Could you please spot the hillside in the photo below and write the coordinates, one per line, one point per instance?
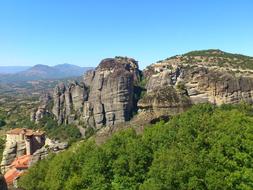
(213, 57)
(222, 59)
(174, 84)
(117, 90)
(153, 103)
(204, 148)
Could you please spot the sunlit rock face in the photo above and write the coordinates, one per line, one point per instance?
(68, 101)
(43, 108)
(111, 91)
(107, 95)
(104, 98)
(174, 84)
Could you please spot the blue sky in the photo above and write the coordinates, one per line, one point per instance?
(83, 32)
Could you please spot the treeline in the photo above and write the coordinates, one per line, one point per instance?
(206, 147)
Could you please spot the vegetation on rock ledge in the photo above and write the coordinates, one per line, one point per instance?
(214, 57)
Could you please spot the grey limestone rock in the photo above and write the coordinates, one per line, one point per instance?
(50, 147)
(111, 92)
(104, 98)
(68, 101)
(43, 108)
(187, 84)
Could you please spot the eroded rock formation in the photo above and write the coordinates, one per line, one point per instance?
(178, 82)
(111, 92)
(43, 109)
(51, 146)
(68, 101)
(105, 97)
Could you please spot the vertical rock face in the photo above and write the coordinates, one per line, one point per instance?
(68, 101)
(186, 80)
(105, 98)
(218, 87)
(111, 92)
(164, 94)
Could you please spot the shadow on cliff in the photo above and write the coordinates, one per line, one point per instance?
(138, 94)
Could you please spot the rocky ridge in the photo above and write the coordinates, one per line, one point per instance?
(107, 96)
(197, 77)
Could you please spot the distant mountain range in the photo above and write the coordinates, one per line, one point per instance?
(40, 72)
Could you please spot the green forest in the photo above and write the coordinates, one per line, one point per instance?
(206, 147)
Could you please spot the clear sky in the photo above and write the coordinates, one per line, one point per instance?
(83, 32)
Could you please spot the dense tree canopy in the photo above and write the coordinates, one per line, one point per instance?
(64, 132)
(206, 147)
(2, 122)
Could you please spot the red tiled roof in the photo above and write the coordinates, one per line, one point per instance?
(27, 132)
(21, 162)
(11, 175)
(17, 165)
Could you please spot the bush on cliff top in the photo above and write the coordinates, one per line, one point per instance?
(204, 148)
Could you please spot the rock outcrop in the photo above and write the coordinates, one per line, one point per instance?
(105, 97)
(68, 101)
(43, 109)
(111, 92)
(50, 147)
(218, 87)
(11, 151)
(108, 95)
(178, 82)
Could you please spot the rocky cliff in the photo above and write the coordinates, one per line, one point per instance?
(43, 108)
(109, 94)
(12, 150)
(198, 77)
(68, 101)
(105, 97)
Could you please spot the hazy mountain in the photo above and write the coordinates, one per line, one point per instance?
(71, 70)
(39, 72)
(12, 69)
